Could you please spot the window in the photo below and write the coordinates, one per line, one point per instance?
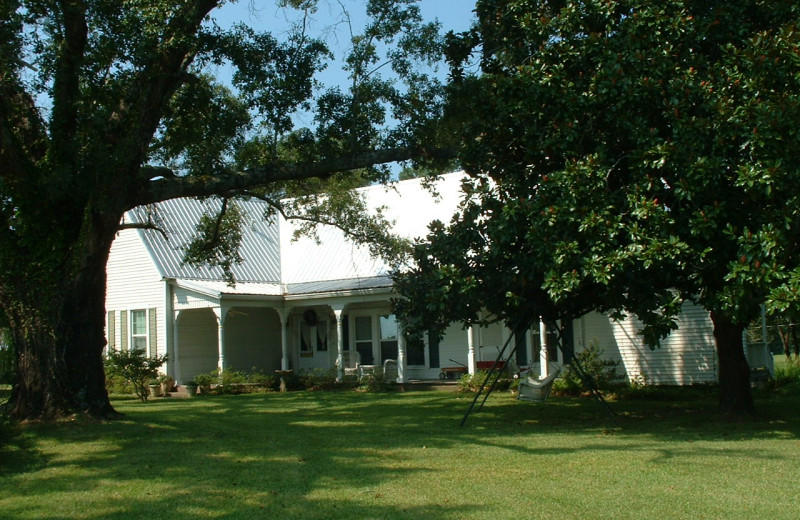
(363, 339)
(415, 350)
(388, 326)
(139, 330)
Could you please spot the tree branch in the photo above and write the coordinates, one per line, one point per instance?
(202, 186)
(66, 84)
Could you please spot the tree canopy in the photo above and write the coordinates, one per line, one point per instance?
(112, 104)
(628, 156)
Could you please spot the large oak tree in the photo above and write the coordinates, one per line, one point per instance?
(628, 155)
(110, 104)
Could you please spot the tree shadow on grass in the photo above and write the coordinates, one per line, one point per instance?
(318, 455)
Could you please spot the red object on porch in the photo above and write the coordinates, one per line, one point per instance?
(487, 365)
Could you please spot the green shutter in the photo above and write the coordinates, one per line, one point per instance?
(123, 329)
(153, 332)
(111, 331)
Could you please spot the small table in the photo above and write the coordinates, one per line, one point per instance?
(282, 374)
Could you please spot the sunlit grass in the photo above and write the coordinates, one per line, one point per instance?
(404, 456)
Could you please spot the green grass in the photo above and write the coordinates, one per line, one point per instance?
(322, 455)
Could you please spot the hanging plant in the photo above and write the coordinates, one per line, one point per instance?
(310, 317)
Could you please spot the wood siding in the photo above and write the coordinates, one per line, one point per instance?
(687, 356)
(134, 283)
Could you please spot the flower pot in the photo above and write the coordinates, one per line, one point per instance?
(155, 390)
(191, 390)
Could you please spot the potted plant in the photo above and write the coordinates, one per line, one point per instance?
(191, 388)
(167, 383)
(155, 387)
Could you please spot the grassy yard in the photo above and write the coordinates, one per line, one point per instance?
(322, 455)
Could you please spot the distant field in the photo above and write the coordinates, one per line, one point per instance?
(322, 455)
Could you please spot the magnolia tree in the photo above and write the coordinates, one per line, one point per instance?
(107, 105)
(628, 156)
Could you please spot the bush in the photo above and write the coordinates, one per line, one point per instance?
(318, 379)
(788, 372)
(205, 381)
(473, 382)
(375, 382)
(231, 381)
(134, 367)
(602, 371)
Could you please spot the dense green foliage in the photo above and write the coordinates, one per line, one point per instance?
(628, 156)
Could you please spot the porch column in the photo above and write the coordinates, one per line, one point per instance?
(401, 353)
(338, 312)
(471, 365)
(221, 313)
(283, 315)
(176, 360)
(543, 354)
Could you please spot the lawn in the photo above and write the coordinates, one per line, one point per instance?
(322, 455)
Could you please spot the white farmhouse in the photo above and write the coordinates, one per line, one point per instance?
(305, 304)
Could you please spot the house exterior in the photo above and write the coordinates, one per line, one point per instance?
(302, 304)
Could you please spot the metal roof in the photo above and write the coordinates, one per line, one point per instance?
(178, 218)
(348, 284)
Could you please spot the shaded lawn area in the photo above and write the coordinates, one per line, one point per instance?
(321, 455)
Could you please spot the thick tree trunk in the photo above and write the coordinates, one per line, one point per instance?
(59, 338)
(735, 397)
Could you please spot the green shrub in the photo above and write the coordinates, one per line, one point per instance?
(318, 379)
(473, 382)
(788, 372)
(205, 381)
(231, 381)
(602, 371)
(7, 357)
(134, 367)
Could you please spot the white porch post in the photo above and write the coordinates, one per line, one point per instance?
(221, 313)
(471, 365)
(283, 315)
(401, 353)
(338, 311)
(543, 354)
(176, 360)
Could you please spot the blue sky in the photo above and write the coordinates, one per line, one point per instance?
(456, 15)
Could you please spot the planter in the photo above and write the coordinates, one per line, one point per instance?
(155, 390)
(191, 390)
(166, 388)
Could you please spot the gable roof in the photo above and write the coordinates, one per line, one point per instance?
(275, 263)
(178, 218)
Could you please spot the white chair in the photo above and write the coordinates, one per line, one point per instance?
(390, 370)
(351, 360)
(534, 389)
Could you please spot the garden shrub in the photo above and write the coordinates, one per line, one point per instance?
(318, 379)
(375, 382)
(602, 371)
(134, 367)
(473, 382)
(788, 372)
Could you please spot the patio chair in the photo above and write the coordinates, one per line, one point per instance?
(390, 370)
(351, 361)
(534, 389)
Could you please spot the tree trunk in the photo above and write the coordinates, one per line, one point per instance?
(735, 397)
(59, 334)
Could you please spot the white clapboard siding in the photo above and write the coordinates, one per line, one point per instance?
(687, 356)
(454, 346)
(134, 283)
